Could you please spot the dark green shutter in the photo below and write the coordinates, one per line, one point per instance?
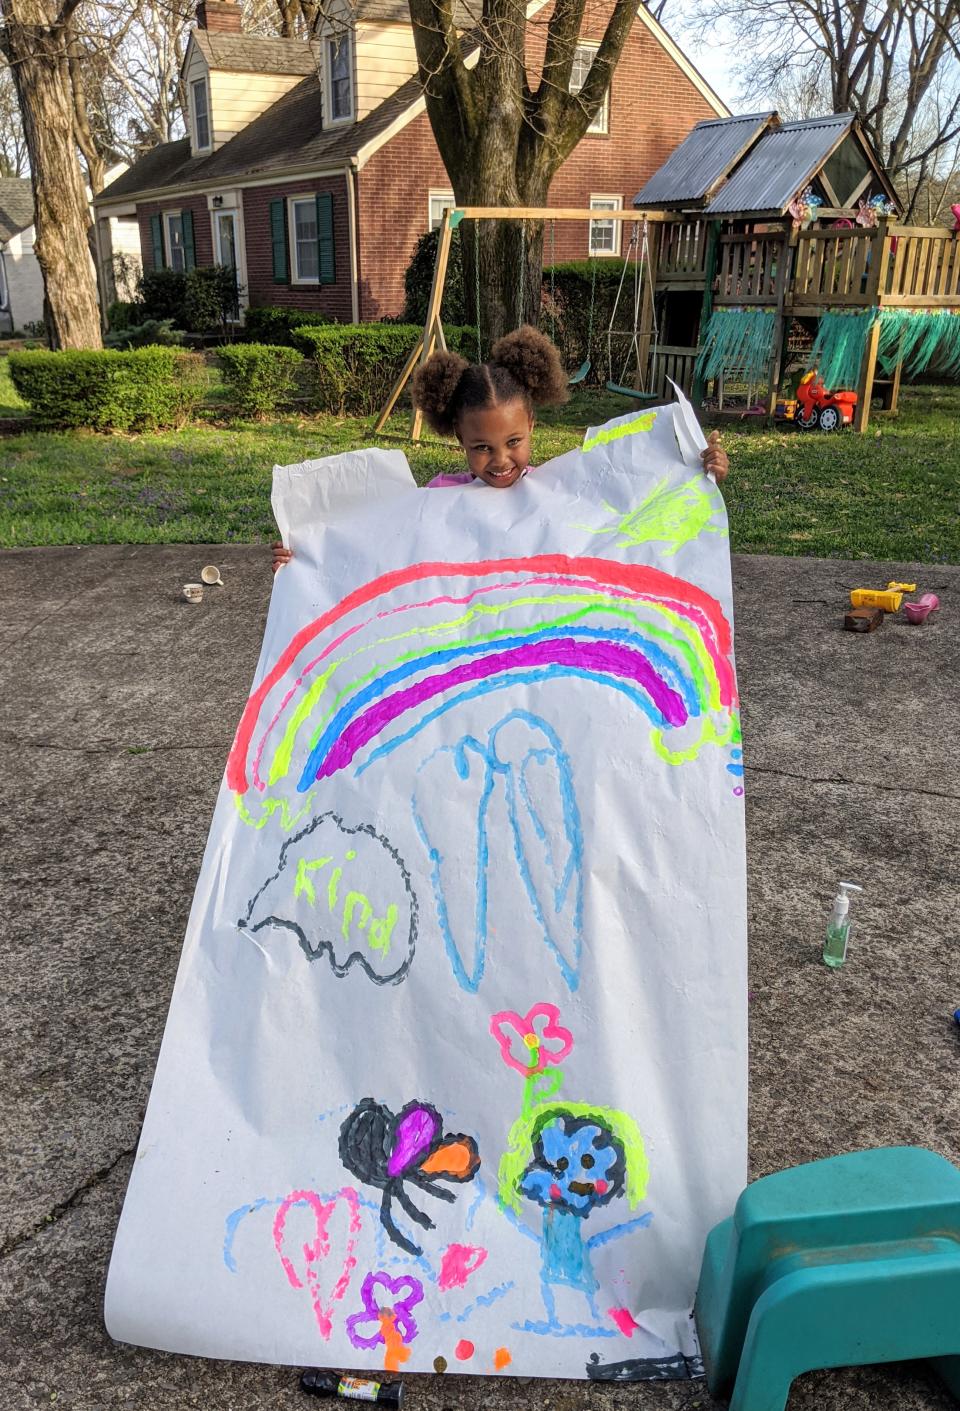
(189, 250)
(156, 236)
(325, 252)
(278, 234)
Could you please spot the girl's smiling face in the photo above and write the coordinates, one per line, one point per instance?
(497, 442)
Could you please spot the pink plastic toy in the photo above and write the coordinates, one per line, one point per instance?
(919, 611)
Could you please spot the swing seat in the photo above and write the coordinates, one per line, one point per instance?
(580, 373)
(631, 392)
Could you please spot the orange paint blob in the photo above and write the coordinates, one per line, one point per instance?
(395, 1353)
(502, 1358)
(464, 1350)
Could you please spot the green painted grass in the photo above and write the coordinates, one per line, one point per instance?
(894, 494)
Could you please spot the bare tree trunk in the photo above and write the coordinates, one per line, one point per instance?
(34, 43)
(502, 140)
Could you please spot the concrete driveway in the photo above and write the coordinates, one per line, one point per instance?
(118, 704)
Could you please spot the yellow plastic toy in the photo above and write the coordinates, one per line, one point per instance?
(885, 598)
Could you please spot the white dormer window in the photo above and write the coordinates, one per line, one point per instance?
(340, 78)
(201, 114)
(583, 57)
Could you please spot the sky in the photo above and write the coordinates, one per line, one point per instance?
(715, 59)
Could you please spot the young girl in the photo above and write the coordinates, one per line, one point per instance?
(489, 407)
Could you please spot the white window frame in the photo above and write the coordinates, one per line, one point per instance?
(218, 215)
(3, 285)
(332, 45)
(601, 202)
(168, 246)
(601, 123)
(194, 85)
(305, 198)
(443, 196)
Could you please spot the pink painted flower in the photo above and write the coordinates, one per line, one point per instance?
(528, 1042)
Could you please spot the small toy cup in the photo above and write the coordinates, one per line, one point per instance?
(211, 575)
(918, 612)
(193, 592)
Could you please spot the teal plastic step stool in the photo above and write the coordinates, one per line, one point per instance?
(838, 1263)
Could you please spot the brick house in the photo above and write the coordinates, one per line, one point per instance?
(311, 166)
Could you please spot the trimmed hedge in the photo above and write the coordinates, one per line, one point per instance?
(356, 364)
(106, 390)
(260, 376)
(273, 326)
(569, 321)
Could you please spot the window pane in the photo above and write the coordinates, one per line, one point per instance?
(438, 204)
(341, 102)
(202, 114)
(305, 236)
(176, 257)
(582, 59)
(227, 233)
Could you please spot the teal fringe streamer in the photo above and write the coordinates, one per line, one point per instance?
(837, 351)
(923, 341)
(738, 340)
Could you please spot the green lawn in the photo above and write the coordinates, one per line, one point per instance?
(893, 494)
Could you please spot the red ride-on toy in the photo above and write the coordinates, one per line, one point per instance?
(818, 409)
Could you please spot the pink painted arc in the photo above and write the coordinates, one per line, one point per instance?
(637, 578)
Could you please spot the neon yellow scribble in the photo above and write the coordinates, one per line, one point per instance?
(526, 1129)
(709, 735)
(288, 818)
(302, 886)
(606, 434)
(669, 516)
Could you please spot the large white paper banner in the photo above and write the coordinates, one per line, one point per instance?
(454, 1075)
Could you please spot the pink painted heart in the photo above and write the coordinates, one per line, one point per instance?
(316, 1251)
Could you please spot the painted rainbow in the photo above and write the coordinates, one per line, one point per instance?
(383, 663)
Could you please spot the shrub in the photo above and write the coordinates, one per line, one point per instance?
(109, 390)
(568, 321)
(122, 313)
(211, 298)
(143, 335)
(418, 280)
(275, 325)
(162, 294)
(259, 376)
(357, 364)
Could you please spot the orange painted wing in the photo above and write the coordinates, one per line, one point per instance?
(456, 1158)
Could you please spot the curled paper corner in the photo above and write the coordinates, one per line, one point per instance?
(689, 432)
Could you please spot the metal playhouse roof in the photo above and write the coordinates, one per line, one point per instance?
(780, 165)
(696, 168)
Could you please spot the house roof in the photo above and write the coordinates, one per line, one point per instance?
(255, 53)
(695, 169)
(16, 205)
(780, 165)
(290, 134)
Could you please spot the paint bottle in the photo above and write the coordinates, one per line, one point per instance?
(838, 927)
(318, 1383)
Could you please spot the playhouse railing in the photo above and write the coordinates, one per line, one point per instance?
(749, 266)
(683, 246)
(676, 363)
(924, 268)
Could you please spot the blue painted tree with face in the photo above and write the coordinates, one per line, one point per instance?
(570, 1159)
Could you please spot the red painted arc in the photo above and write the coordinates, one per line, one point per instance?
(637, 577)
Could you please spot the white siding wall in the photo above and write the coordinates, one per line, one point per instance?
(237, 98)
(24, 280)
(386, 57)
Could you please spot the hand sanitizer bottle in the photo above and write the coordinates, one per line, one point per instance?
(838, 928)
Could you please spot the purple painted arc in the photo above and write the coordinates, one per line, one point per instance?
(603, 657)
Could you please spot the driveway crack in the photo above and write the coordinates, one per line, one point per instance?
(851, 783)
(63, 1207)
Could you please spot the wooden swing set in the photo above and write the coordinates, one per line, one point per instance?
(641, 338)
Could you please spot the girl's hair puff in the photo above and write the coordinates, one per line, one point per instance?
(524, 366)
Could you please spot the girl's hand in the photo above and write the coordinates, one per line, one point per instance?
(280, 556)
(716, 462)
